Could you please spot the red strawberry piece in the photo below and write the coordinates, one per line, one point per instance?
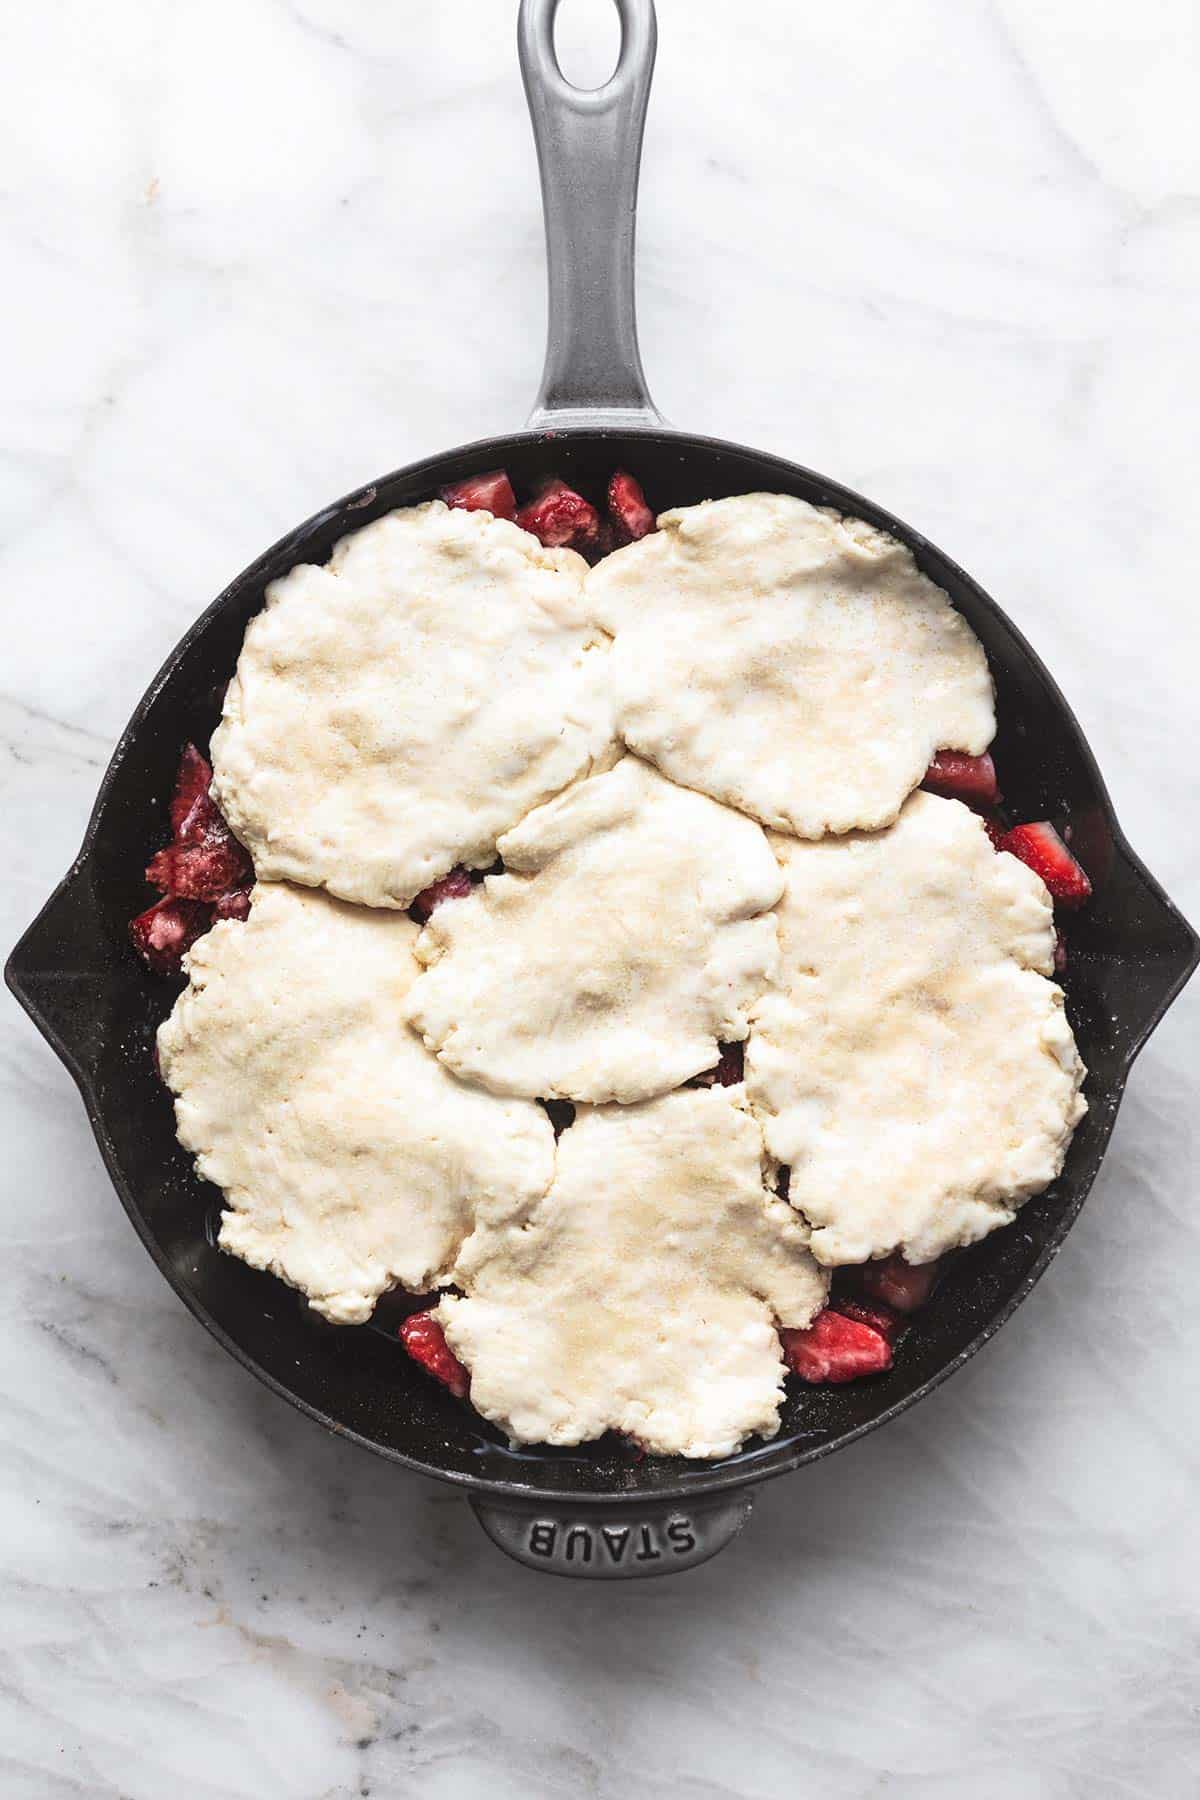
(959, 777)
(484, 493)
(235, 905)
(425, 1342)
(204, 860)
(454, 886)
(729, 1070)
(996, 829)
(201, 871)
(1060, 954)
(192, 808)
(166, 930)
(899, 1284)
(880, 1318)
(1040, 846)
(835, 1348)
(631, 517)
(559, 516)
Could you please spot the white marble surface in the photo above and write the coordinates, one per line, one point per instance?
(257, 251)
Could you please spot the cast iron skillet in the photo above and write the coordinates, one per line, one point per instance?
(595, 1511)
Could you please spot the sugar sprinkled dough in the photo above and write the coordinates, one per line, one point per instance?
(351, 1161)
(643, 1294)
(396, 710)
(788, 661)
(627, 939)
(914, 1067)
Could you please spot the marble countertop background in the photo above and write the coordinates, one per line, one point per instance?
(258, 251)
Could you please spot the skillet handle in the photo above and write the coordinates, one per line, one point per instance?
(589, 146)
(598, 1543)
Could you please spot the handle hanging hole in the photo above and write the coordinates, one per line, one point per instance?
(587, 42)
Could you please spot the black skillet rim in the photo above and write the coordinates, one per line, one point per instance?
(724, 1478)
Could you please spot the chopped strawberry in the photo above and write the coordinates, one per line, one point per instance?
(631, 517)
(454, 886)
(204, 864)
(204, 860)
(192, 808)
(902, 1285)
(425, 1342)
(995, 828)
(559, 516)
(163, 933)
(880, 1318)
(836, 1348)
(1040, 846)
(484, 493)
(959, 777)
(201, 871)
(235, 905)
(1060, 954)
(729, 1070)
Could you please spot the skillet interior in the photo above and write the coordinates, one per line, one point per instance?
(1130, 952)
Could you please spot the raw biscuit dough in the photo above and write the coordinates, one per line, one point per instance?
(788, 661)
(396, 710)
(915, 1067)
(351, 1161)
(627, 938)
(643, 1293)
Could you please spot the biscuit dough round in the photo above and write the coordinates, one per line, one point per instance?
(643, 1293)
(914, 1067)
(351, 1161)
(626, 940)
(786, 660)
(396, 710)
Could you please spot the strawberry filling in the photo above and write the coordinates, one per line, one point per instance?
(1040, 846)
(204, 859)
(560, 517)
(200, 871)
(454, 886)
(235, 905)
(959, 777)
(729, 1070)
(192, 807)
(425, 1342)
(631, 517)
(836, 1348)
(1060, 953)
(165, 931)
(484, 493)
(203, 872)
(904, 1286)
(880, 1318)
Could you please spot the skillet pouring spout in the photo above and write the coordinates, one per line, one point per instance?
(62, 972)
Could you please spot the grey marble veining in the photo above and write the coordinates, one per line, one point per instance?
(258, 251)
